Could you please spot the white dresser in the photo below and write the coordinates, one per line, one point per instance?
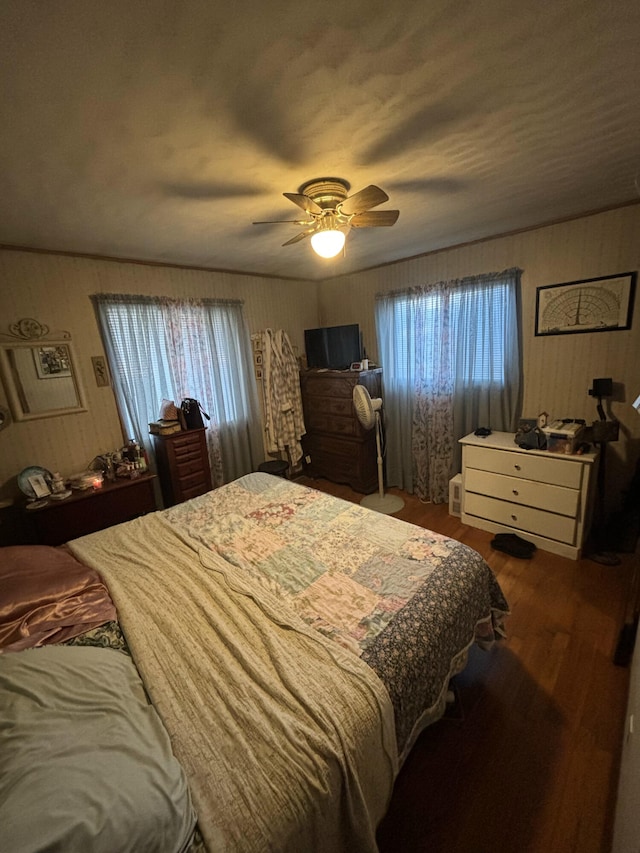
(547, 498)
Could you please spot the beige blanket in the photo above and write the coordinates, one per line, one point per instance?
(286, 738)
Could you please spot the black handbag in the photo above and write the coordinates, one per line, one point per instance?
(193, 412)
(530, 438)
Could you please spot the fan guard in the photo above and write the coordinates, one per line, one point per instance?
(365, 406)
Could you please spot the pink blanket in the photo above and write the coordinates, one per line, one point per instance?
(47, 596)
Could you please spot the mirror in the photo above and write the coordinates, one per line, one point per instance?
(40, 378)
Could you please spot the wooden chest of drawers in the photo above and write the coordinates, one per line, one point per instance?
(545, 497)
(336, 446)
(87, 511)
(183, 465)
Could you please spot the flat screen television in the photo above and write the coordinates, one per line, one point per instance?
(332, 347)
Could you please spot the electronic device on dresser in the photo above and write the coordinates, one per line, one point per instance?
(333, 347)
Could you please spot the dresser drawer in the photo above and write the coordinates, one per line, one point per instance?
(192, 465)
(348, 465)
(185, 441)
(192, 487)
(345, 448)
(186, 454)
(326, 385)
(520, 491)
(324, 422)
(335, 406)
(525, 518)
(559, 472)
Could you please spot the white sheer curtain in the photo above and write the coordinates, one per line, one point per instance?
(451, 363)
(166, 348)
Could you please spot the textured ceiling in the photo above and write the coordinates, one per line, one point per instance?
(161, 130)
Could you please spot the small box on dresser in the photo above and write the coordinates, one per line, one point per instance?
(544, 497)
(183, 466)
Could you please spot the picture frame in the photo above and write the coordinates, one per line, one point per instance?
(39, 485)
(602, 304)
(257, 359)
(258, 371)
(100, 370)
(52, 361)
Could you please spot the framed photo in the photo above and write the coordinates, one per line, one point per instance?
(257, 359)
(52, 362)
(602, 304)
(258, 371)
(39, 485)
(100, 370)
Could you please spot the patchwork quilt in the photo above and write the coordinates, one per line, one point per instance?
(406, 600)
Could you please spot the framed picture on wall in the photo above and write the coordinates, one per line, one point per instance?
(52, 362)
(602, 304)
(100, 370)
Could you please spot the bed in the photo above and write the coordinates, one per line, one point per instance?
(283, 649)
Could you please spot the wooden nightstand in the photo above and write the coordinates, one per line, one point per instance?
(183, 465)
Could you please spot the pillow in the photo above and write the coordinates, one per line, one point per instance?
(47, 596)
(86, 761)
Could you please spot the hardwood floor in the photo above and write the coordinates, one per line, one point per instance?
(527, 759)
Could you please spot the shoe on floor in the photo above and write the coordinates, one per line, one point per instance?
(516, 540)
(514, 549)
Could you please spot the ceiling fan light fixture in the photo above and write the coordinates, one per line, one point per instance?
(328, 243)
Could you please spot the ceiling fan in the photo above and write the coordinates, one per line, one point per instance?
(331, 213)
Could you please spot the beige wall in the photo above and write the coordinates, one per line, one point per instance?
(55, 290)
(558, 370)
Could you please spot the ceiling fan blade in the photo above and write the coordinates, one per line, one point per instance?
(304, 202)
(367, 198)
(299, 237)
(375, 218)
(279, 221)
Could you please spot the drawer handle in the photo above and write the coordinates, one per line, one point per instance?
(514, 517)
(517, 467)
(515, 492)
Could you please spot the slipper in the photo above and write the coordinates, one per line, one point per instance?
(514, 549)
(516, 540)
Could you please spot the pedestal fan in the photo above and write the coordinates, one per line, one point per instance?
(368, 412)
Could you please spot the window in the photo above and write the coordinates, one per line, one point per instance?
(476, 354)
(161, 348)
(450, 354)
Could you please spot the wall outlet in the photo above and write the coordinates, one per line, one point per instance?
(307, 459)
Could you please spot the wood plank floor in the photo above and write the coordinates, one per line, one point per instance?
(527, 759)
